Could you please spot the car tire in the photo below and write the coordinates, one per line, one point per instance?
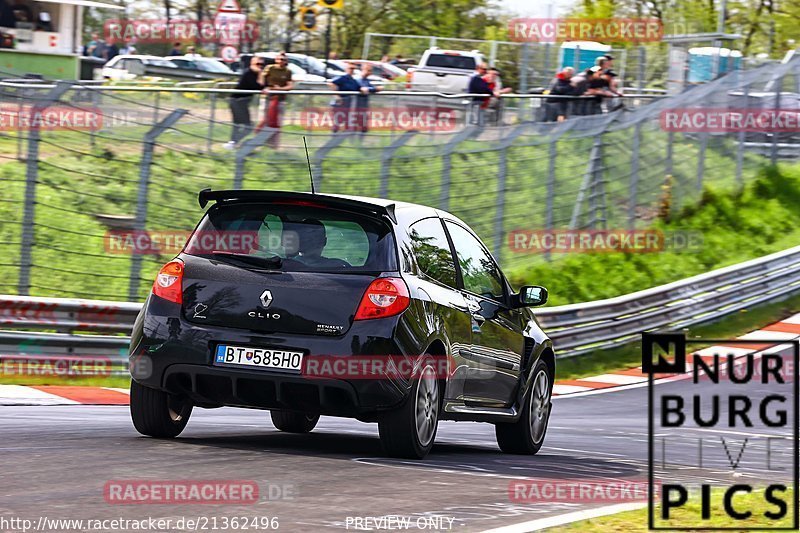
(157, 413)
(293, 421)
(410, 431)
(526, 435)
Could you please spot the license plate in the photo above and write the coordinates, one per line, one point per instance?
(269, 358)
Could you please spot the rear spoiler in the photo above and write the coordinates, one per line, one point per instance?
(348, 204)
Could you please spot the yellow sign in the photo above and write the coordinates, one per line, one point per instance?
(331, 4)
(308, 18)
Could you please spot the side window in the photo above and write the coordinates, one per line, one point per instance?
(480, 273)
(432, 251)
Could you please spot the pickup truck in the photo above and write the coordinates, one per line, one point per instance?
(444, 71)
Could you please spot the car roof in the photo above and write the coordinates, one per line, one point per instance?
(137, 56)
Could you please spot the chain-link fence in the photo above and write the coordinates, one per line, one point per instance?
(141, 163)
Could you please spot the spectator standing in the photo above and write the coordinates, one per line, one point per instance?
(191, 53)
(615, 102)
(99, 48)
(88, 49)
(580, 83)
(240, 103)
(557, 109)
(495, 103)
(128, 48)
(597, 87)
(362, 102)
(111, 51)
(342, 105)
(479, 86)
(276, 77)
(176, 50)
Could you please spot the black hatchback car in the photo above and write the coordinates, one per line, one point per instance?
(311, 304)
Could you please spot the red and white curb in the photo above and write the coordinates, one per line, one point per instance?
(67, 395)
(788, 329)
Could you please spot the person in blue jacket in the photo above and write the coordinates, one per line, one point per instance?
(343, 105)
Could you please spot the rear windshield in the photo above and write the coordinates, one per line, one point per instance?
(451, 61)
(294, 238)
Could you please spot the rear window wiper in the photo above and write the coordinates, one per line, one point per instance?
(274, 261)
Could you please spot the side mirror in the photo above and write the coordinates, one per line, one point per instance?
(532, 295)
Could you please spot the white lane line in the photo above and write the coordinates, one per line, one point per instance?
(22, 395)
(723, 351)
(794, 319)
(568, 389)
(616, 379)
(769, 335)
(568, 518)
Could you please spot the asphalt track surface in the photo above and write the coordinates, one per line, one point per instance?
(56, 461)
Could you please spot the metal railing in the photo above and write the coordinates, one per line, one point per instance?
(79, 328)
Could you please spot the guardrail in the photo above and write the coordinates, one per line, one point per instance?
(80, 328)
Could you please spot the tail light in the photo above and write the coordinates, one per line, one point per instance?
(409, 78)
(169, 282)
(384, 297)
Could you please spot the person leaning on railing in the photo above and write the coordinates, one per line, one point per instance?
(556, 109)
(275, 77)
(478, 85)
(240, 103)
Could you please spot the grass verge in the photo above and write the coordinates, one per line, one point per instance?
(689, 516)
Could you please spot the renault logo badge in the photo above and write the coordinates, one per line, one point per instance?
(266, 298)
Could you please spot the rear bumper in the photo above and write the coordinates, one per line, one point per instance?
(171, 354)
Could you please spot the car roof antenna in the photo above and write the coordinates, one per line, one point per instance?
(308, 159)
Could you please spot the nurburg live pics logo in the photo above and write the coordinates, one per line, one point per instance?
(742, 434)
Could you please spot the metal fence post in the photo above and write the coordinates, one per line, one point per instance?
(31, 175)
(633, 187)
(211, 121)
(668, 160)
(592, 181)
(247, 148)
(641, 73)
(386, 160)
(773, 153)
(502, 173)
(701, 160)
(741, 135)
(447, 164)
(322, 152)
(149, 144)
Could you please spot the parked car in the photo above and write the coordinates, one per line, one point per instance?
(444, 71)
(386, 71)
(341, 64)
(129, 67)
(342, 280)
(299, 74)
(208, 65)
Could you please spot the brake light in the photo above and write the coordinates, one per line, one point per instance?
(169, 282)
(409, 78)
(385, 297)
